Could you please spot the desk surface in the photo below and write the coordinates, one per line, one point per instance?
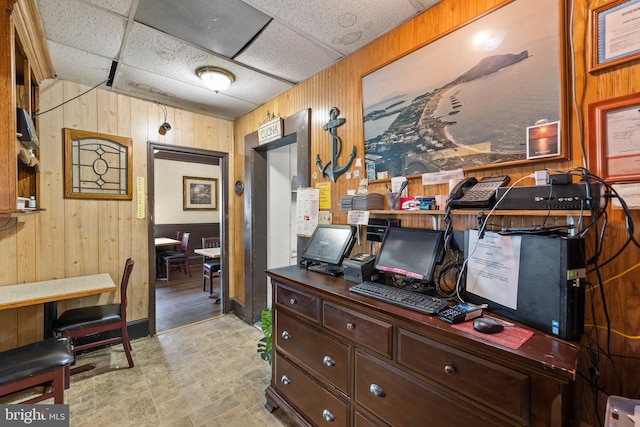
(208, 252)
(21, 295)
(165, 241)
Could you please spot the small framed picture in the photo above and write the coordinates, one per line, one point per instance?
(543, 140)
(199, 193)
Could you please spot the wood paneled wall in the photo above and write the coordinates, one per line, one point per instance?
(75, 237)
(340, 85)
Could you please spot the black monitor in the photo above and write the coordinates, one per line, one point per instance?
(411, 252)
(328, 246)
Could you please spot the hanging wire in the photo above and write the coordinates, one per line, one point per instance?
(69, 100)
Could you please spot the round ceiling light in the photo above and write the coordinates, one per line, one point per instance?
(215, 78)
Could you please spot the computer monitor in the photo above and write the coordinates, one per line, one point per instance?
(328, 246)
(411, 252)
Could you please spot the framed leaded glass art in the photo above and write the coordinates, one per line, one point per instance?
(97, 166)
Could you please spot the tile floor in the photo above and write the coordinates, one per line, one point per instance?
(205, 374)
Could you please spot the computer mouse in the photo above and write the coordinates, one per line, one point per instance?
(487, 325)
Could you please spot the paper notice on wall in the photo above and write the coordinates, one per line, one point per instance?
(630, 193)
(307, 207)
(325, 195)
(493, 267)
(442, 177)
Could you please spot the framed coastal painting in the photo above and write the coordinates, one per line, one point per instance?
(470, 98)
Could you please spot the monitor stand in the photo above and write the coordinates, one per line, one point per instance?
(332, 270)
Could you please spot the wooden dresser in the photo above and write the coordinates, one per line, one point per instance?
(345, 360)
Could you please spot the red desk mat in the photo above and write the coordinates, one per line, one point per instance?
(511, 336)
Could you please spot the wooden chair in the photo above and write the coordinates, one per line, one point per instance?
(99, 319)
(166, 250)
(210, 266)
(41, 363)
(180, 259)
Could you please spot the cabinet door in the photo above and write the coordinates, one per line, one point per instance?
(403, 401)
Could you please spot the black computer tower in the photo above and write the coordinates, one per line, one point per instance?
(550, 292)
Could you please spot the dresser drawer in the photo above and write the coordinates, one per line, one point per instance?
(318, 405)
(320, 353)
(303, 304)
(403, 401)
(359, 327)
(501, 388)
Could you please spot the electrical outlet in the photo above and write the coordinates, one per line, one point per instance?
(325, 217)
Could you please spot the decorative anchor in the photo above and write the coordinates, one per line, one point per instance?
(334, 171)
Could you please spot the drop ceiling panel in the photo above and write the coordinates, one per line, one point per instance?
(341, 25)
(161, 89)
(82, 26)
(94, 69)
(221, 26)
(285, 53)
(121, 7)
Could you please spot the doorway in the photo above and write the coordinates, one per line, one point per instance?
(183, 288)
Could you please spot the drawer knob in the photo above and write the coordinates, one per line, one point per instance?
(351, 326)
(292, 301)
(286, 335)
(285, 380)
(376, 390)
(449, 370)
(328, 416)
(329, 361)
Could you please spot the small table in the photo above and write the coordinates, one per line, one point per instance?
(49, 292)
(211, 253)
(166, 241)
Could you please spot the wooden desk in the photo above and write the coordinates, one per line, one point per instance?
(165, 241)
(49, 292)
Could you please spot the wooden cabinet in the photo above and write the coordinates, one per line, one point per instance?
(343, 359)
(24, 62)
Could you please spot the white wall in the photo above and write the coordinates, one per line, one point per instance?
(168, 192)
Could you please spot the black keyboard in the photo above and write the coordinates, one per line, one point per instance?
(400, 297)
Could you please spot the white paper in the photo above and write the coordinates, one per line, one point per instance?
(307, 208)
(630, 193)
(442, 177)
(396, 183)
(358, 217)
(493, 267)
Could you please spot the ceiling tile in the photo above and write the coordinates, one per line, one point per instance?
(287, 54)
(121, 7)
(83, 26)
(221, 26)
(341, 25)
(93, 69)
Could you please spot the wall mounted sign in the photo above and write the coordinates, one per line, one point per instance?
(97, 166)
(270, 131)
(331, 168)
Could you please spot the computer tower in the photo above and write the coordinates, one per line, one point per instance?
(550, 288)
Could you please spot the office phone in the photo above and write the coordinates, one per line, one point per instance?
(471, 193)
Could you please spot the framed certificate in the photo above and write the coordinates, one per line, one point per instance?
(615, 30)
(614, 138)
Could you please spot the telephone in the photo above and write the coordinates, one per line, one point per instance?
(471, 193)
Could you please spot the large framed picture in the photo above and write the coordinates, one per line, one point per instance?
(614, 138)
(199, 193)
(614, 33)
(467, 99)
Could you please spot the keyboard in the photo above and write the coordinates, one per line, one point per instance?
(400, 297)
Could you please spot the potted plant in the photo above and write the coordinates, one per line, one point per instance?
(264, 346)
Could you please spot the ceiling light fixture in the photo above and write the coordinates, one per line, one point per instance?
(215, 78)
(164, 127)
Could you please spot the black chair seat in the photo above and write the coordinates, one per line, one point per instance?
(87, 317)
(174, 256)
(212, 265)
(32, 359)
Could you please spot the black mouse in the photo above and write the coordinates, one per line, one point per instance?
(487, 325)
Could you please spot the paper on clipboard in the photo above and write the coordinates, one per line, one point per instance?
(307, 208)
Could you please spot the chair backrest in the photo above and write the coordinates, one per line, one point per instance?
(210, 242)
(124, 284)
(185, 241)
